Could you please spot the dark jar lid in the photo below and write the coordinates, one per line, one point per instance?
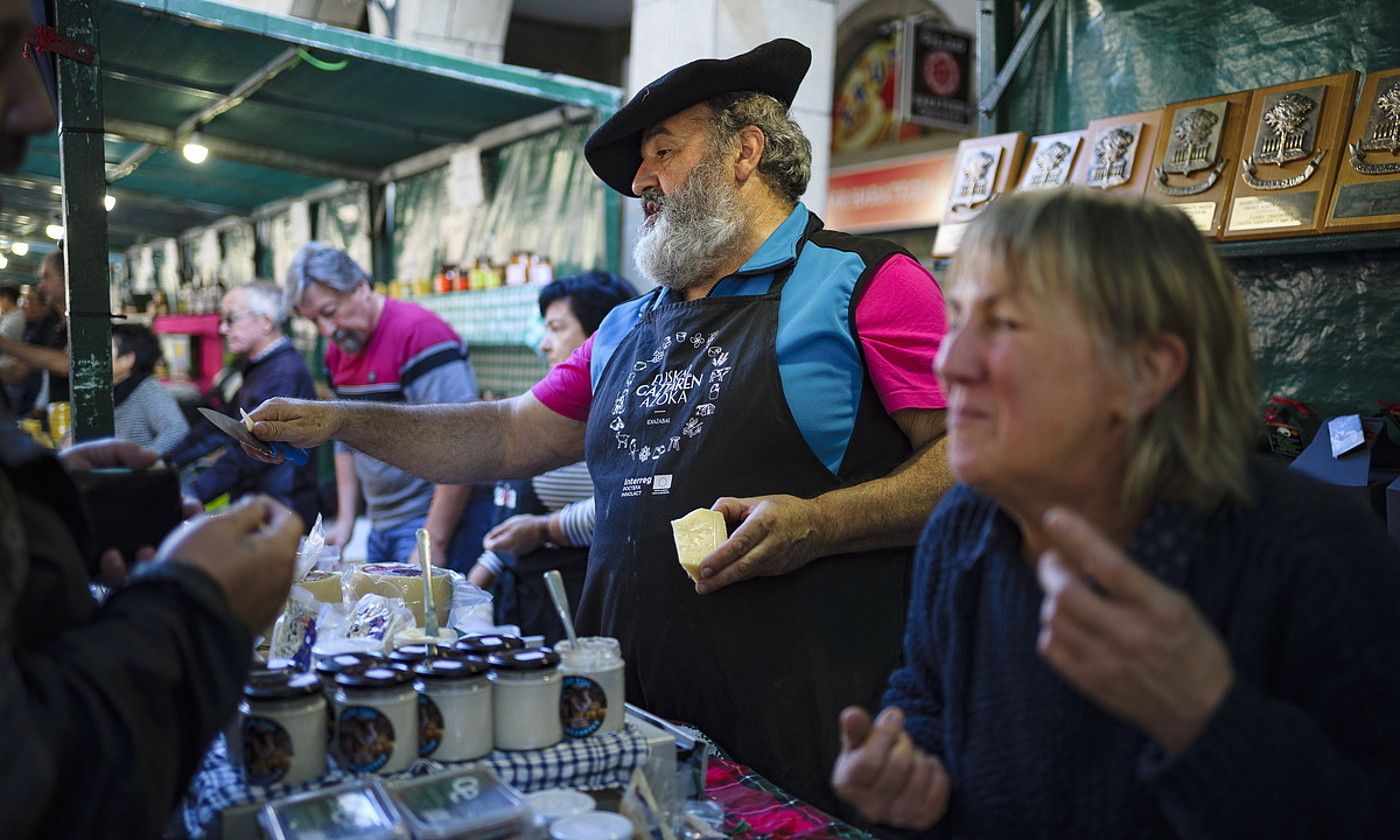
(492, 643)
(458, 667)
(280, 684)
(332, 665)
(409, 654)
(533, 659)
(384, 675)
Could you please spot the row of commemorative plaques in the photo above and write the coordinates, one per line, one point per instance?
(1286, 160)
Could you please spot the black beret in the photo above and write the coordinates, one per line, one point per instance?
(615, 149)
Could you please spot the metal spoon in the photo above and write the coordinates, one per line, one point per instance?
(555, 583)
(430, 628)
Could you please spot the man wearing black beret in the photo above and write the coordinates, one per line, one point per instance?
(780, 374)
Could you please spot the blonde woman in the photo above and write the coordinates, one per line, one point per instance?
(1121, 627)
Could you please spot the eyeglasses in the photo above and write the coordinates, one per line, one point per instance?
(234, 317)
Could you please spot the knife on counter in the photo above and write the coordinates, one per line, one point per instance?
(240, 433)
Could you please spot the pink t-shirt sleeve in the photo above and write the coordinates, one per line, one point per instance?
(901, 321)
(568, 388)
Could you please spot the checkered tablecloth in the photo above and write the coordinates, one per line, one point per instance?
(597, 762)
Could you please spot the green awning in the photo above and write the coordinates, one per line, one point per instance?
(163, 62)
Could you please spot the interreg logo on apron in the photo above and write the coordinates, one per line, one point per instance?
(660, 408)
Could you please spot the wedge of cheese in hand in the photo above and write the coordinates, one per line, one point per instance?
(697, 534)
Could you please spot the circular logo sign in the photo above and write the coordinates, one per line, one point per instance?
(941, 73)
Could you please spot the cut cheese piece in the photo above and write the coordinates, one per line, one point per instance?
(323, 586)
(697, 534)
(405, 581)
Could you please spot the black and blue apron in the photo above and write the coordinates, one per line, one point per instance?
(521, 596)
(689, 408)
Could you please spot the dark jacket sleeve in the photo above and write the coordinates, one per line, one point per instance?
(1307, 741)
(108, 713)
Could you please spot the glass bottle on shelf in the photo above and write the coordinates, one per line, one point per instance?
(517, 270)
(541, 270)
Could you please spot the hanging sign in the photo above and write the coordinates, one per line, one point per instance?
(936, 82)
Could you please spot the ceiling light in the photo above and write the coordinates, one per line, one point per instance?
(53, 230)
(4, 263)
(194, 150)
(109, 201)
(20, 248)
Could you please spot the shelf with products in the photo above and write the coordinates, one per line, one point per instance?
(1325, 243)
(502, 327)
(193, 348)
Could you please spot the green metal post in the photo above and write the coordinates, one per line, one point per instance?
(83, 168)
(995, 29)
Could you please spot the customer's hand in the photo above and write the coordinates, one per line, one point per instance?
(776, 535)
(248, 550)
(108, 452)
(302, 423)
(518, 535)
(885, 776)
(1126, 640)
(339, 534)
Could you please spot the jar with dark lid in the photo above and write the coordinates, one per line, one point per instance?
(376, 718)
(281, 733)
(454, 708)
(413, 654)
(525, 693)
(485, 645)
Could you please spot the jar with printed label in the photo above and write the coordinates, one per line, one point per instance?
(376, 719)
(281, 734)
(592, 701)
(525, 694)
(455, 720)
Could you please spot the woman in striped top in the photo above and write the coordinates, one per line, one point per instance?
(546, 522)
(143, 411)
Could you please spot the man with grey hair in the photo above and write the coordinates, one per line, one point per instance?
(266, 366)
(389, 352)
(781, 375)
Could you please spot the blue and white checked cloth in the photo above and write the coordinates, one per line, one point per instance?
(596, 762)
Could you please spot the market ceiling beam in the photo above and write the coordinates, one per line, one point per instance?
(488, 139)
(156, 137)
(124, 74)
(244, 89)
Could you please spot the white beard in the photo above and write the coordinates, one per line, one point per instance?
(696, 230)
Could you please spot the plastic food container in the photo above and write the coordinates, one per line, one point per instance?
(467, 803)
(358, 810)
(595, 825)
(558, 803)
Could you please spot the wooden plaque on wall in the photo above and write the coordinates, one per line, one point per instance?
(1194, 166)
(1288, 160)
(984, 170)
(1118, 151)
(1050, 160)
(1368, 179)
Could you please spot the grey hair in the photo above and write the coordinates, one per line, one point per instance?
(317, 263)
(265, 299)
(786, 165)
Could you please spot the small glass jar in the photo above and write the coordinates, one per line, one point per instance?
(525, 693)
(592, 700)
(410, 654)
(487, 644)
(455, 720)
(376, 719)
(281, 731)
(327, 667)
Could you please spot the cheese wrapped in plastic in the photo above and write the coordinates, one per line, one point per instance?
(697, 534)
(323, 586)
(404, 580)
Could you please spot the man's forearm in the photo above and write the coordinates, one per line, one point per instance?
(454, 444)
(888, 511)
(34, 355)
(347, 485)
